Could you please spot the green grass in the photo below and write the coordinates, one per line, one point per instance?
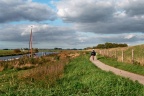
(138, 54)
(138, 69)
(5, 52)
(80, 78)
(10, 53)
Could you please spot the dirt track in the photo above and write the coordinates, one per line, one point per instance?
(116, 71)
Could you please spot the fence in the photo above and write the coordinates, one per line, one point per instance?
(127, 55)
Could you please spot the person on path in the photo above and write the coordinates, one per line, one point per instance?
(93, 54)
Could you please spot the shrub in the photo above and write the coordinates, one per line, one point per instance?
(17, 50)
(36, 50)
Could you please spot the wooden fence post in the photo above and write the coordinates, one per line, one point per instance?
(115, 53)
(132, 56)
(107, 53)
(122, 56)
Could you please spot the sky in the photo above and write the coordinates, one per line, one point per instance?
(70, 23)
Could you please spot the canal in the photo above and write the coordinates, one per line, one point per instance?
(18, 56)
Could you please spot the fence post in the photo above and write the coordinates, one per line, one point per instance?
(107, 53)
(115, 53)
(122, 56)
(132, 56)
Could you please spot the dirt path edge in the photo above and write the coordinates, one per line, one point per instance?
(126, 74)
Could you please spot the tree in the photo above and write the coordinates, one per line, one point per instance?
(100, 46)
(36, 50)
(110, 45)
(17, 51)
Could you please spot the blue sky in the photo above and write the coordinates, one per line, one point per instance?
(70, 23)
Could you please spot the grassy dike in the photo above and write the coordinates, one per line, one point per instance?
(80, 78)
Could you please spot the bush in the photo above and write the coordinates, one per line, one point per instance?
(36, 50)
(17, 50)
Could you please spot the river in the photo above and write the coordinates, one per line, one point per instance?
(18, 56)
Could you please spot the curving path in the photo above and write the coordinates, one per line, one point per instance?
(120, 72)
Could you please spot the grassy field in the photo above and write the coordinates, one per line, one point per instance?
(10, 53)
(66, 77)
(5, 52)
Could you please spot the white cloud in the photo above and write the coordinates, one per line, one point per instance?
(129, 36)
(58, 36)
(84, 10)
(18, 10)
(103, 16)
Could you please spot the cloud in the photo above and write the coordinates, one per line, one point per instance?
(85, 22)
(103, 16)
(121, 38)
(85, 10)
(47, 36)
(134, 7)
(18, 10)
(129, 36)
(41, 33)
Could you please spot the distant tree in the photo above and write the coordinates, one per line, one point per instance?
(5, 49)
(110, 45)
(17, 50)
(36, 50)
(26, 48)
(58, 48)
(100, 46)
(87, 48)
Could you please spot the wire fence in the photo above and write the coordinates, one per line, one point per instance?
(127, 55)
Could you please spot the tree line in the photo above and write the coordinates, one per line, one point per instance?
(109, 45)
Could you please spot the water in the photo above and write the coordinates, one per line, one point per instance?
(18, 56)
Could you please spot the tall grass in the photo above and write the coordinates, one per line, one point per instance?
(82, 78)
(34, 81)
(79, 77)
(127, 52)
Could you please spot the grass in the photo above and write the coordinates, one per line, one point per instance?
(138, 54)
(33, 81)
(10, 53)
(138, 69)
(82, 78)
(79, 77)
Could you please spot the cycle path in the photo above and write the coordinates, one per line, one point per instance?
(132, 76)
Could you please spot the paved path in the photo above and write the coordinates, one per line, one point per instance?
(116, 71)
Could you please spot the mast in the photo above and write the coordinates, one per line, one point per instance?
(30, 44)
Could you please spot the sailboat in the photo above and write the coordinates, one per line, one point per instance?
(30, 44)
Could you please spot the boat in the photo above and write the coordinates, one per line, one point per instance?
(30, 44)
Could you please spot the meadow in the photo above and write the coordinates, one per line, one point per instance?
(67, 73)
(11, 53)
